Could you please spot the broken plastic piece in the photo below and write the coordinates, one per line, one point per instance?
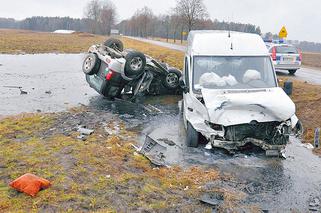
(30, 184)
(85, 131)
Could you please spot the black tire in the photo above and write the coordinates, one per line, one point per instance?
(192, 136)
(292, 72)
(135, 63)
(91, 64)
(171, 80)
(115, 44)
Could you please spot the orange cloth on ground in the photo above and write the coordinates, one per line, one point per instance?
(30, 184)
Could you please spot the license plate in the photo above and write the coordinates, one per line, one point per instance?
(288, 59)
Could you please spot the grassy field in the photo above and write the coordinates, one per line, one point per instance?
(22, 41)
(312, 59)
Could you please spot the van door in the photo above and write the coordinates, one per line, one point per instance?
(194, 111)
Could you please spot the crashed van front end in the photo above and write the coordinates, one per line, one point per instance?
(233, 119)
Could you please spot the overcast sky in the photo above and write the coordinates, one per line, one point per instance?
(301, 17)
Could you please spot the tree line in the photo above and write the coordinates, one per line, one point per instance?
(186, 16)
(100, 17)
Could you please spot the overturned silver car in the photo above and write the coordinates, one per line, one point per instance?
(231, 93)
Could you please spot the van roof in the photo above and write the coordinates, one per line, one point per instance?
(213, 42)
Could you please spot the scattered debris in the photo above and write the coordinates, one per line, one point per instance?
(22, 92)
(48, 92)
(153, 151)
(82, 137)
(208, 146)
(111, 131)
(85, 131)
(30, 184)
(307, 145)
(212, 198)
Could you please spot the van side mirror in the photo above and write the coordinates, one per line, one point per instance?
(288, 87)
(183, 85)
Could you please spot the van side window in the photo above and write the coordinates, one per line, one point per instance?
(186, 72)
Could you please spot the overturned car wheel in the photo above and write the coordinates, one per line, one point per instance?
(192, 136)
(135, 63)
(115, 44)
(91, 64)
(171, 80)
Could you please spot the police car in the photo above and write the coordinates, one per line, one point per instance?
(285, 57)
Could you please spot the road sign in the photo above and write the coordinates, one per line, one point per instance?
(283, 33)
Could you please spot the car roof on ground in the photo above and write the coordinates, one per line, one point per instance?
(225, 43)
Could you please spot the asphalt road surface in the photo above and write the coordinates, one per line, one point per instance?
(311, 75)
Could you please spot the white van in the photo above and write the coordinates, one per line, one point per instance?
(231, 93)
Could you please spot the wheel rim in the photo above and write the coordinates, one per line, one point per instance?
(88, 63)
(172, 80)
(136, 63)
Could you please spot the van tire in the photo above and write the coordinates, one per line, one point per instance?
(135, 63)
(292, 72)
(115, 44)
(91, 64)
(192, 136)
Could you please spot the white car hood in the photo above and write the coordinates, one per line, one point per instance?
(241, 107)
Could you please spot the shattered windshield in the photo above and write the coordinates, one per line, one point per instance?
(217, 72)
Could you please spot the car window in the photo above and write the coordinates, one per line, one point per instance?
(233, 72)
(286, 49)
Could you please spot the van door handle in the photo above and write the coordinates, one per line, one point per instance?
(190, 109)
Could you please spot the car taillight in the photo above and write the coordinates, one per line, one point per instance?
(300, 55)
(273, 54)
(109, 75)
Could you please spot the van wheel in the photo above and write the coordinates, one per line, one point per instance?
(91, 64)
(135, 63)
(171, 80)
(192, 136)
(115, 44)
(292, 72)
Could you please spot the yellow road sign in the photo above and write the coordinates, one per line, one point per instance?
(283, 33)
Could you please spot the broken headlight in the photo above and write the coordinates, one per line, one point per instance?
(215, 127)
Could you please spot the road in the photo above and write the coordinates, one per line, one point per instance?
(311, 75)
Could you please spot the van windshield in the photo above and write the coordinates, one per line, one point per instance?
(217, 72)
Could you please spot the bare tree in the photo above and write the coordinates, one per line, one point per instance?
(92, 12)
(107, 17)
(191, 12)
(101, 15)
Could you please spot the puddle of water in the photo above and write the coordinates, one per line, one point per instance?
(54, 82)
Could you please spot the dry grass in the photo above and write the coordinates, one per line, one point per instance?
(312, 59)
(23, 41)
(104, 173)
